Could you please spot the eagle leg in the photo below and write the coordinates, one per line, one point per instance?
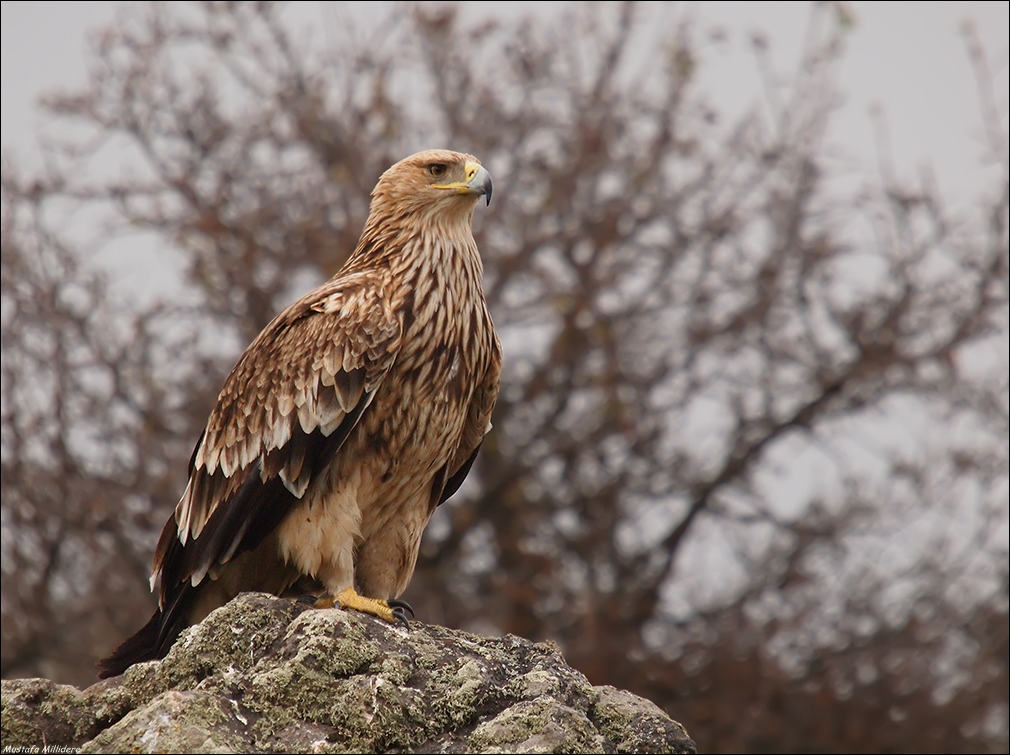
(393, 611)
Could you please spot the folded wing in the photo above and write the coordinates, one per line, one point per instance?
(281, 418)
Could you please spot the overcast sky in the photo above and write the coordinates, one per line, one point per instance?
(907, 57)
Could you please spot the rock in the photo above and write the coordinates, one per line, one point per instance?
(263, 674)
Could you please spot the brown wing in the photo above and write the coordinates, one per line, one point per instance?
(478, 423)
(284, 411)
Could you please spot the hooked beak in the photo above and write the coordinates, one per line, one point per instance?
(478, 181)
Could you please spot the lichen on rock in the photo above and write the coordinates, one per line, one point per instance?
(263, 674)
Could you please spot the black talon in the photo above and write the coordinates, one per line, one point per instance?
(402, 604)
(307, 600)
(401, 616)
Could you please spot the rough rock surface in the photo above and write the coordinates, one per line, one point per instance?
(263, 674)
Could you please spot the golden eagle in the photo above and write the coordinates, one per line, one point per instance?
(357, 411)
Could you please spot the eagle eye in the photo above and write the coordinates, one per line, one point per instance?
(437, 169)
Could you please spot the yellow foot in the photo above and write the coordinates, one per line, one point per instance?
(393, 611)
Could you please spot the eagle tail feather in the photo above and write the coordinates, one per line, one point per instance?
(143, 646)
(152, 641)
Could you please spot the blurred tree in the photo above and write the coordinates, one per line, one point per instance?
(750, 457)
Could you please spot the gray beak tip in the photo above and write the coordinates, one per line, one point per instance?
(481, 183)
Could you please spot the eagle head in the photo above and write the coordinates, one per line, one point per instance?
(436, 182)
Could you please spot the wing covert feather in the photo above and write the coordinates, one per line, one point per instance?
(285, 408)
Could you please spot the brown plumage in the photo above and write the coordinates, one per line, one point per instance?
(356, 412)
